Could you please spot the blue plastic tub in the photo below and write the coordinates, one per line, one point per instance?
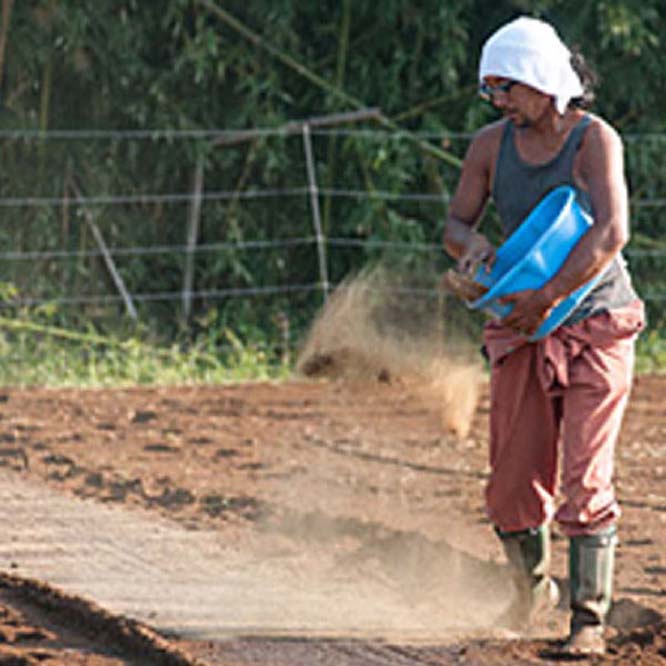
(533, 254)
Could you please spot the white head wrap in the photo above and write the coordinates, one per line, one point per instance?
(529, 51)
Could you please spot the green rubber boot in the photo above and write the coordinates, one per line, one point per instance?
(528, 553)
(591, 560)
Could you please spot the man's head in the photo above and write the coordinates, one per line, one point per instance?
(520, 103)
(528, 52)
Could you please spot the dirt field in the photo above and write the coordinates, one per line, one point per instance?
(355, 482)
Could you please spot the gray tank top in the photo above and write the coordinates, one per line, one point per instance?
(519, 186)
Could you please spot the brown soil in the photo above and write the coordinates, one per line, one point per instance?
(363, 474)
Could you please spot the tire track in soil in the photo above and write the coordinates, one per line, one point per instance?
(135, 581)
(147, 572)
(150, 581)
(130, 563)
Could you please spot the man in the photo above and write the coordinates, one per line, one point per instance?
(565, 393)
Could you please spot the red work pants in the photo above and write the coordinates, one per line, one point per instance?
(556, 407)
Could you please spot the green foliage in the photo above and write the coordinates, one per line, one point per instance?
(178, 64)
(651, 352)
(36, 354)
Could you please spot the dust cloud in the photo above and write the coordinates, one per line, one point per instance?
(347, 555)
(360, 579)
(372, 328)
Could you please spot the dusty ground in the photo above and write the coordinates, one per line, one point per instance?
(360, 476)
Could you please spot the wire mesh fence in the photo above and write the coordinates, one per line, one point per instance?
(160, 227)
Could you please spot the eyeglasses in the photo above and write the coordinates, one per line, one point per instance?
(488, 92)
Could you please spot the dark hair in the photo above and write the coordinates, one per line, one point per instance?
(588, 77)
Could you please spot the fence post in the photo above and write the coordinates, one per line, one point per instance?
(194, 217)
(316, 217)
(106, 255)
(111, 266)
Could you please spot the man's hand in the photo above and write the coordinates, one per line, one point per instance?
(462, 286)
(478, 250)
(531, 307)
(469, 246)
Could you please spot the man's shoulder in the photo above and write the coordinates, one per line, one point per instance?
(486, 140)
(600, 132)
(491, 131)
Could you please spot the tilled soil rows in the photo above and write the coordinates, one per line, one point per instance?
(355, 515)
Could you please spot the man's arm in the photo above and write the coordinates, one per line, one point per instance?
(461, 240)
(602, 170)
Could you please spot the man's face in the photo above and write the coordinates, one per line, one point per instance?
(520, 103)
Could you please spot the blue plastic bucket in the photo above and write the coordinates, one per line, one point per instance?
(533, 254)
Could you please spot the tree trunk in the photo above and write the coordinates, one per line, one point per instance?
(7, 6)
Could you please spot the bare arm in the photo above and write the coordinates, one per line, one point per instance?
(602, 170)
(461, 240)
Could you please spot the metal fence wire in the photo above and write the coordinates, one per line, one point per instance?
(100, 224)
